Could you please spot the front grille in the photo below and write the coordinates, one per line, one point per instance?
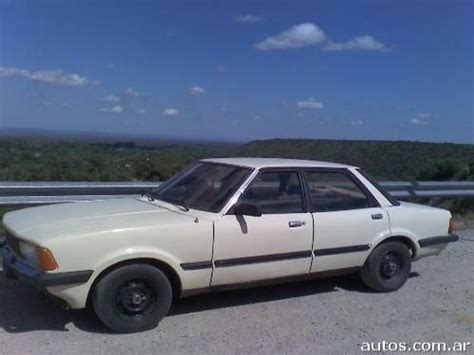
(12, 243)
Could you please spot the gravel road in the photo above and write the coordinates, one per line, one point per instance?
(324, 316)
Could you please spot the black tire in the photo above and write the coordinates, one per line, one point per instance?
(132, 298)
(387, 267)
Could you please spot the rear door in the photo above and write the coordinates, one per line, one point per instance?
(346, 219)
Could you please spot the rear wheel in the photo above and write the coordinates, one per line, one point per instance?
(132, 298)
(387, 267)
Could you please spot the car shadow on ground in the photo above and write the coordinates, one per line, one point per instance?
(24, 308)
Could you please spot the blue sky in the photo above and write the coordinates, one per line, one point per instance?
(240, 70)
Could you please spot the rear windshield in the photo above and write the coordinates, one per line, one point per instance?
(375, 183)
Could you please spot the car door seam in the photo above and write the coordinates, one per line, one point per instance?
(312, 242)
(213, 251)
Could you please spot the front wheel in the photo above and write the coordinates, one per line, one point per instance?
(132, 298)
(387, 268)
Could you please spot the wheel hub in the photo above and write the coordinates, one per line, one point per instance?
(390, 266)
(134, 298)
(137, 298)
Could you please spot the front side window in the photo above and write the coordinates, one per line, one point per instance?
(335, 191)
(275, 192)
(203, 186)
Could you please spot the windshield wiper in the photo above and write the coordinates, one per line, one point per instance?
(149, 196)
(180, 205)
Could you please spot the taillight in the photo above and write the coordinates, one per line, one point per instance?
(450, 226)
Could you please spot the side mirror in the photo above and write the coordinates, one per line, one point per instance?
(247, 209)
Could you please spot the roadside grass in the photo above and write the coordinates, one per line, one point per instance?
(463, 220)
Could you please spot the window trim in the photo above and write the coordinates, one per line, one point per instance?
(373, 203)
(386, 194)
(297, 170)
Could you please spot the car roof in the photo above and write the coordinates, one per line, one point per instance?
(258, 163)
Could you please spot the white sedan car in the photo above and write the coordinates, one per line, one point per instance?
(218, 224)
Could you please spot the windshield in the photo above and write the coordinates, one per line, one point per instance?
(203, 186)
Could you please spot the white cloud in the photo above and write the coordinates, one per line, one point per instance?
(196, 90)
(425, 115)
(140, 111)
(111, 99)
(57, 76)
(9, 72)
(305, 34)
(366, 42)
(357, 123)
(170, 112)
(310, 103)
(422, 118)
(134, 93)
(131, 92)
(249, 18)
(417, 121)
(66, 105)
(309, 34)
(113, 109)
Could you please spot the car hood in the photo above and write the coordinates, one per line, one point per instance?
(38, 223)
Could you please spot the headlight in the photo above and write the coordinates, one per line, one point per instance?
(38, 256)
(28, 251)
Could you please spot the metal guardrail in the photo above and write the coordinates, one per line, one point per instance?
(409, 189)
(37, 193)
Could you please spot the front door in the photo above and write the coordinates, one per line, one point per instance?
(274, 245)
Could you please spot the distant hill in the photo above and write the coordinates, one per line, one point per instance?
(384, 159)
(47, 159)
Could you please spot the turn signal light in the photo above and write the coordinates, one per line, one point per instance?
(45, 259)
(450, 226)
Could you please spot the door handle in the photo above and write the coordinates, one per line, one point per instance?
(294, 224)
(377, 216)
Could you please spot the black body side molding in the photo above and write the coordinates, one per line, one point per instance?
(198, 265)
(262, 258)
(445, 239)
(341, 250)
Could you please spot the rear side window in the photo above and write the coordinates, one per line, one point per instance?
(335, 191)
(375, 183)
(275, 192)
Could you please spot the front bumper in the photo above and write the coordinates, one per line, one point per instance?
(17, 269)
(445, 239)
